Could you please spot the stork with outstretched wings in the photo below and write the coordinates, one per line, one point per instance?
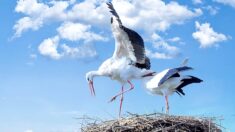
(129, 60)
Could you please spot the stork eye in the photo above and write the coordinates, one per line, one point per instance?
(88, 79)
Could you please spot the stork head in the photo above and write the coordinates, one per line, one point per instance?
(89, 77)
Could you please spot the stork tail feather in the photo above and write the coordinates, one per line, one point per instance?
(186, 81)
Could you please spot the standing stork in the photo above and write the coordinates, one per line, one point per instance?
(168, 81)
(128, 61)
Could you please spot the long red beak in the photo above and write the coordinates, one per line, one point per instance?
(91, 86)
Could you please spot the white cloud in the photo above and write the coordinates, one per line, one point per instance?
(82, 51)
(37, 14)
(30, 7)
(197, 1)
(158, 55)
(165, 46)
(49, 47)
(77, 31)
(74, 32)
(162, 49)
(155, 37)
(95, 12)
(227, 2)
(135, 14)
(206, 36)
(144, 15)
(26, 23)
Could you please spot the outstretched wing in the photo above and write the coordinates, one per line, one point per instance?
(128, 42)
(114, 13)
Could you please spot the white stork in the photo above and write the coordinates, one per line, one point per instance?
(168, 81)
(128, 61)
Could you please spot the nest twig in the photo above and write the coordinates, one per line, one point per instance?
(156, 122)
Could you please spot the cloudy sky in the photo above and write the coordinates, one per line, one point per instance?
(47, 46)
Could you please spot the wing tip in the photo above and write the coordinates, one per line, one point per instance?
(196, 79)
(110, 5)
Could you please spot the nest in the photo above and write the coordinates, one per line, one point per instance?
(154, 123)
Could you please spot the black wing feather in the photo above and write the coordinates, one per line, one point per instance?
(146, 65)
(185, 82)
(172, 73)
(137, 44)
(135, 39)
(113, 11)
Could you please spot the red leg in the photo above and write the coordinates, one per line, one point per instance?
(92, 89)
(167, 105)
(121, 100)
(132, 87)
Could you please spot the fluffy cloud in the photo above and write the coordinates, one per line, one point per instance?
(95, 12)
(158, 55)
(206, 36)
(136, 14)
(165, 46)
(227, 2)
(162, 49)
(50, 47)
(26, 23)
(38, 14)
(82, 51)
(144, 15)
(77, 31)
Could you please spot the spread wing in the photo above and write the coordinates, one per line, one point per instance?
(128, 42)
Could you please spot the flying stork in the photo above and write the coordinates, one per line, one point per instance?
(129, 60)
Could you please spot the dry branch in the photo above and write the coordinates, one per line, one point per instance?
(156, 122)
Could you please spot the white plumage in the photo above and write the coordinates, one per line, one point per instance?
(120, 70)
(167, 88)
(128, 61)
(168, 81)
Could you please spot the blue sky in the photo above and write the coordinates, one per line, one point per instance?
(46, 48)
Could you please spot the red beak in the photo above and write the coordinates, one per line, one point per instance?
(91, 88)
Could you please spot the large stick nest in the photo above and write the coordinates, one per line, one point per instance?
(154, 123)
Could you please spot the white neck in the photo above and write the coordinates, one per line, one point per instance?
(97, 73)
